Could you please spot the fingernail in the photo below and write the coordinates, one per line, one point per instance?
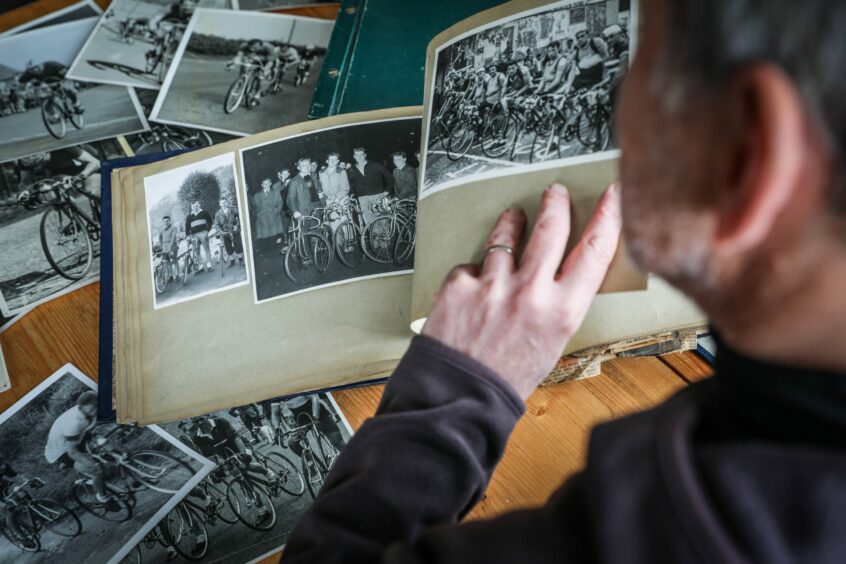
(615, 188)
(559, 189)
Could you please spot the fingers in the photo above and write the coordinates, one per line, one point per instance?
(583, 271)
(507, 231)
(546, 246)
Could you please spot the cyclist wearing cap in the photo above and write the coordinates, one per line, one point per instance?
(177, 15)
(72, 161)
(263, 53)
(590, 56)
(67, 437)
(52, 73)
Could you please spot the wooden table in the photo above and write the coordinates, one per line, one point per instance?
(548, 445)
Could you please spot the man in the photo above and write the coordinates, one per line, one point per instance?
(336, 185)
(370, 181)
(495, 86)
(72, 161)
(304, 66)
(250, 416)
(65, 444)
(169, 241)
(300, 200)
(317, 197)
(265, 55)
(226, 221)
(732, 135)
(198, 223)
(53, 74)
(267, 209)
(519, 81)
(555, 72)
(590, 56)
(405, 178)
(173, 20)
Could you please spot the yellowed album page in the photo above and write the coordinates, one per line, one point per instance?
(472, 172)
(218, 340)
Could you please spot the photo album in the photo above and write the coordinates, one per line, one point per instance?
(306, 257)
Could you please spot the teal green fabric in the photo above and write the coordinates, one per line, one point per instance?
(377, 54)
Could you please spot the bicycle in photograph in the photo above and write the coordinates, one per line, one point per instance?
(34, 514)
(158, 59)
(494, 134)
(381, 239)
(315, 464)
(245, 88)
(162, 268)
(67, 232)
(173, 138)
(191, 258)
(247, 496)
(223, 257)
(127, 472)
(309, 253)
(348, 233)
(57, 110)
(444, 121)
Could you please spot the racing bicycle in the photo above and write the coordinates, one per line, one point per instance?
(33, 514)
(57, 110)
(309, 252)
(246, 86)
(315, 463)
(158, 59)
(391, 236)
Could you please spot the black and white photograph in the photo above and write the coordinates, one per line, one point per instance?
(332, 206)
(196, 233)
(534, 90)
(77, 11)
(165, 138)
(135, 41)
(50, 223)
(43, 110)
(276, 4)
(73, 490)
(243, 72)
(272, 458)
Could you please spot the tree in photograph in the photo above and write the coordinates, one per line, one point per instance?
(200, 186)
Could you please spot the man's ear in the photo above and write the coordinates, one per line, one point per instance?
(766, 156)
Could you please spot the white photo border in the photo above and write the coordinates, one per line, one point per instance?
(52, 15)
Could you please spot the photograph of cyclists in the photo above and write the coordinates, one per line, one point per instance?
(77, 11)
(195, 229)
(332, 206)
(275, 4)
(50, 223)
(75, 490)
(272, 457)
(534, 90)
(164, 138)
(243, 72)
(135, 40)
(42, 110)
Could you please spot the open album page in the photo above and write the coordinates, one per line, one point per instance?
(517, 98)
(264, 266)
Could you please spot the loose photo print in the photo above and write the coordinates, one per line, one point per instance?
(533, 90)
(41, 109)
(243, 72)
(50, 223)
(77, 11)
(164, 138)
(271, 459)
(135, 40)
(277, 4)
(74, 490)
(196, 235)
(332, 206)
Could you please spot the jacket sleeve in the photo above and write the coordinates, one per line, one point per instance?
(423, 461)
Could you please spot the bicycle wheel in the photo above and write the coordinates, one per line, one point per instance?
(499, 135)
(251, 504)
(30, 542)
(404, 245)
(222, 508)
(161, 278)
(134, 556)
(185, 270)
(53, 118)
(312, 472)
(76, 118)
(348, 245)
(546, 143)
(235, 94)
(594, 130)
(56, 518)
(460, 140)
(184, 529)
(158, 471)
(253, 91)
(66, 243)
(86, 497)
(307, 259)
(379, 239)
(328, 452)
(290, 479)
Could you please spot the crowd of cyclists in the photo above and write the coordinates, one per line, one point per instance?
(24, 90)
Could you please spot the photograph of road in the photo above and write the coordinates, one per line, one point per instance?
(87, 491)
(243, 72)
(195, 230)
(78, 11)
(42, 110)
(276, 4)
(164, 138)
(50, 223)
(135, 40)
(332, 206)
(272, 458)
(534, 89)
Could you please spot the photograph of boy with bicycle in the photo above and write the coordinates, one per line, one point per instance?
(72, 486)
(526, 90)
(196, 234)
(332, 206)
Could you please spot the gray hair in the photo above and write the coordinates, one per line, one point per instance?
(708, 41)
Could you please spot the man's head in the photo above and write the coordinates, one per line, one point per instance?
(399, 159)
(312, 166)
(166, 221)
(552, 49)
(732, 127)
(332, 160)
(224, 204)
(581, 35)
(283, 174)
(195, 207)
(87, 403)
(491, 69)
(265, 185)
(360, 155)
(304, 166)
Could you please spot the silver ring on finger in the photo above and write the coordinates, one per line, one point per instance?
(495, 249)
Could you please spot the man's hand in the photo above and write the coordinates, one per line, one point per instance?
(516, 318)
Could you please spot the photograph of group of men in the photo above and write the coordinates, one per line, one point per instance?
(360, 169)
(534, 88)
